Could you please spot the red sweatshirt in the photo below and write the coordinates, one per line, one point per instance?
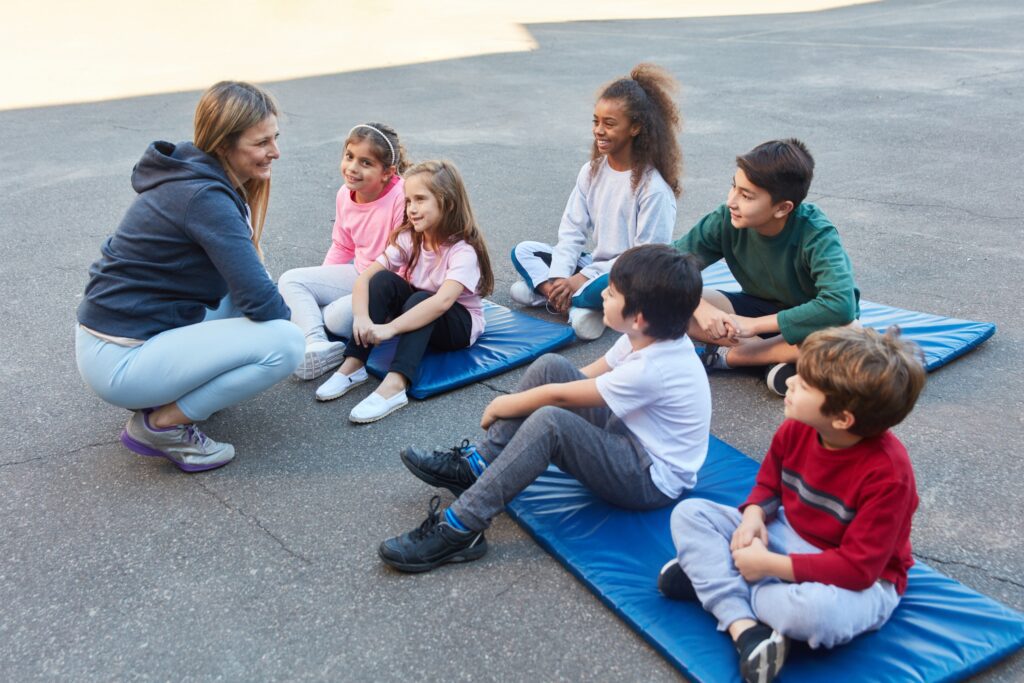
(855, 504)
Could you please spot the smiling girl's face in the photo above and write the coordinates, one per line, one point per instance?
(364, 173)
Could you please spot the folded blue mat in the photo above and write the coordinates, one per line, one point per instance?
(510, 339)
(942, 339)
(941, 631)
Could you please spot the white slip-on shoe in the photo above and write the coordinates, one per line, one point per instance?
(587, 323)
(375, 406)
(339, 385)
(524, 296)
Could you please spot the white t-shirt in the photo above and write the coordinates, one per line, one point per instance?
(661, 394)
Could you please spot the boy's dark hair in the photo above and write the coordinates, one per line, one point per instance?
(782, 167)
(661, 283)
(876, 377)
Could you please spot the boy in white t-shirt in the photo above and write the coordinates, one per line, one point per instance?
(632, 426)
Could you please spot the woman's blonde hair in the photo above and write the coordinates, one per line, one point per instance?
(225, 111)
(457, 220)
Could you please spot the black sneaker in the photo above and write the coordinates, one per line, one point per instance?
(446, 469)
(777, 375)
(674, 583)
(432, 544)
(762, 653)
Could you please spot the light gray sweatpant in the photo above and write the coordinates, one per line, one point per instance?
(591, 444)
(320, 296)
(818, 613)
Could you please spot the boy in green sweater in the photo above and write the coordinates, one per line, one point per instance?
(787, 257)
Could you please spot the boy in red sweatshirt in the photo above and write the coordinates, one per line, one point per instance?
(820, 549)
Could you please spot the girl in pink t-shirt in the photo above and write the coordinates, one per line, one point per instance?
(370, 205)
(426, 286)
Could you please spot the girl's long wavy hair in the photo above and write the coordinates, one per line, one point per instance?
(457, 220)
(646, 95)
(224, 112)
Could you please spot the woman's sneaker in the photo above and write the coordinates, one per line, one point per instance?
(762, 653)
(433, 543)
(321, 357)
(184, 445)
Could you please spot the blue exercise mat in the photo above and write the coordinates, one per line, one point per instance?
(942, 339)
(510, 339)
(941, 631)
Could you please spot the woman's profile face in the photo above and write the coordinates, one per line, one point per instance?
(254, 151)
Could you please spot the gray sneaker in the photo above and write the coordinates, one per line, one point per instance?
(320, 361)
(184, 445)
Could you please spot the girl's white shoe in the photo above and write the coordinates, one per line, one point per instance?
(339, 385)
(375, 406)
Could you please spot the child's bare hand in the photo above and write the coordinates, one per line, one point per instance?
(361, 326)
(718, 326)
(560, 294)
(380, 333)
(492, 412)
(746, 532)
(750, 561)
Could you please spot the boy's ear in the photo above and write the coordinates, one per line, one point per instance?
(844, 420)
(783, 208)
(639, 324)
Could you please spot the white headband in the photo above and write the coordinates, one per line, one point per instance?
(394, 157)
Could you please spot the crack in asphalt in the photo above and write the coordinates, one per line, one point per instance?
(984, 570)
(255, 521)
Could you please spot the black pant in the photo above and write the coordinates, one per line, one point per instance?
(391, 296)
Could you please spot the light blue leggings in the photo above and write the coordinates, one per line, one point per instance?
(203, 367)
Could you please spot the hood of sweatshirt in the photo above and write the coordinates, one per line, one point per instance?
(164, 162)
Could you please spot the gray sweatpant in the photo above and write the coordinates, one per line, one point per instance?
(591, 444)
(818, 613)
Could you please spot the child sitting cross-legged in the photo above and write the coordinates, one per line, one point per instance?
(632, 426)
(821, 548)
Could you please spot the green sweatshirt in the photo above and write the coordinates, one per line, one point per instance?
(804, 268)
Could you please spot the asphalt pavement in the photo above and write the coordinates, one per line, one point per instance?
(116, 567)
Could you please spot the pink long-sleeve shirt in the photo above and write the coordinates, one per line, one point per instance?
(361, 230)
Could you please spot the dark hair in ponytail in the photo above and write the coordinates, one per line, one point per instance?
(646, 95)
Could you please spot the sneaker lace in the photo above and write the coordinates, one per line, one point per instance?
(196, 436)
(430, 523)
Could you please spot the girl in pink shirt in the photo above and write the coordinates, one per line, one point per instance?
(370, 205)
(426, 286)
